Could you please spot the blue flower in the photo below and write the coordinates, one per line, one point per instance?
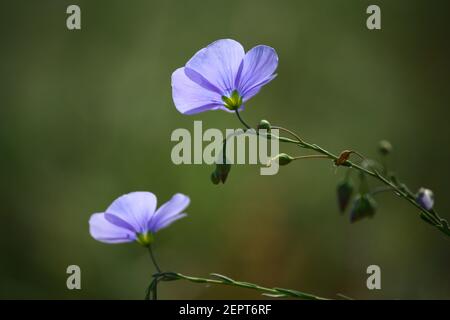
(222, 76)
(133, 217)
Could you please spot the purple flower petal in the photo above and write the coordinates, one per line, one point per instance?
(134, 208)
(115, 220)
(254, 91)
(169, 212)
(168, 221)
(258, 69)
(218, 64)
(104, 231)
(191, 98)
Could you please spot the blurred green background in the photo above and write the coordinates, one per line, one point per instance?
(86, 116)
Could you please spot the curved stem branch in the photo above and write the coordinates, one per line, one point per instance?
(380, 189)
(312, 156)
(242, 120)
(150, 250)
(223, 280)
(292, 133)
(430, 216)
(152, 290)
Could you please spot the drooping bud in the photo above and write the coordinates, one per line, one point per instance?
(264, 124)
(344, 194)
(214, 177)
(363, 206)
(384, 147)
(425, 198)
(343, 157)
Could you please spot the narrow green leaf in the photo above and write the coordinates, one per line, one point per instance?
(296, 293)
(273, 295)
(222, 277)
(248, 284)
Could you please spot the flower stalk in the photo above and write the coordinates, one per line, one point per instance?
(428, 215)
(224, 280)
(152, 257)
(152, 290)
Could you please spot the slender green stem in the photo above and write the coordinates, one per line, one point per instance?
(223, 280)
(430, 217)
(150, 250)
(153, 287)
(312, 156)
(292, 133)
(152, 290)
(269, 135)
(242, 120)
(380, 189)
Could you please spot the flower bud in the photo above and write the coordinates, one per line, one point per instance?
(264, 124)
(425, 198)
(221, 172)
(384, 147)
(214, 177)
(283, 159)
(363, 206)
(344, 194)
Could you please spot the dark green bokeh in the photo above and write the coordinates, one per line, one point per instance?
(87, 115)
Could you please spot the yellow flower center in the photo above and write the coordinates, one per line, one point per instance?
(234, 101)
(145, 239)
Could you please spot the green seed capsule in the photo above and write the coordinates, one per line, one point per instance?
(284, 159)
(264, 124)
